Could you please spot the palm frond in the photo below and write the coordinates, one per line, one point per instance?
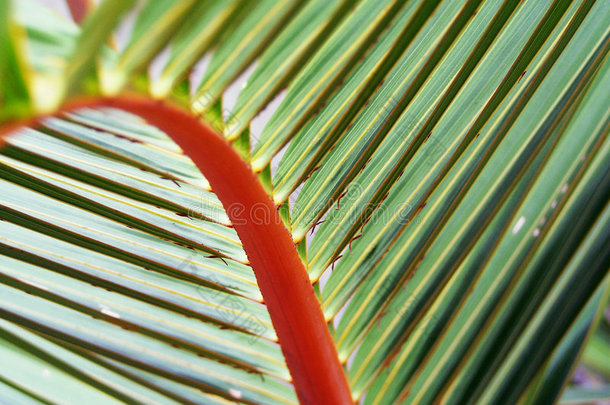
(441, 166)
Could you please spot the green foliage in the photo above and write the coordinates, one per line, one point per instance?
(450, 160)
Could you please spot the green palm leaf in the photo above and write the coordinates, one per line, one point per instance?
(442, 168)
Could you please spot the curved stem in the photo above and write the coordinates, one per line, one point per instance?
(78, 9)
(295, 312)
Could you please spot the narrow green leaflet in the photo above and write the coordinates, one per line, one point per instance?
(282, 59)
(193, 296)
(235, 347)
(130, 140)
(544, 328)
(155, 23)
(14, 394)
(45, 382)
(60, 361)
(113, 235)
(584, 395)
(351, 153)
(433, 268)
(532, 220)
(160, 191)
(200, 31)
(191, 268)
(139, 349)
(319, 136)
(190, 231)
(409, 133)
(322, 74)
(14, 93)
(183, 393)
(548, 386)
(395, 216)
(535, 274)
(189, 214)
(48, 44)
(596, 355)
(390, 380)
(94, 34)
(516, 307)
(262, 21)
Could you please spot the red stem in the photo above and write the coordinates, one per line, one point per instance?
(304, 337)
(78, 9)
